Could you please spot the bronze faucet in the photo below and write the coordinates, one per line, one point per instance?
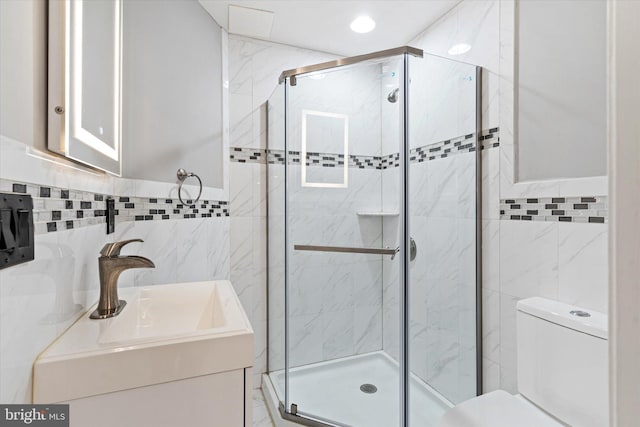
(110, 265)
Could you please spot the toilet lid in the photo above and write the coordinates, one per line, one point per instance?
(496, 409)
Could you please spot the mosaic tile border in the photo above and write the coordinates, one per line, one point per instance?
(247, 155)
(490, 138)
(593, 209)
(154, 209)
(58, 209)
(439, 150)
(327, 160)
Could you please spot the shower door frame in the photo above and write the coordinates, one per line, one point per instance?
(289, 78)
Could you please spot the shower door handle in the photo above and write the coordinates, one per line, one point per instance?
(413, 250)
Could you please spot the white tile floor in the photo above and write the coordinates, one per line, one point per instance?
(261, 416)
(331, 390)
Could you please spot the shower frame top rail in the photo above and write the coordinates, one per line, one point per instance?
(351, 250)
(292, 73)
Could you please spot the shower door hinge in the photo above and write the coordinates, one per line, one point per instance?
(294, 409)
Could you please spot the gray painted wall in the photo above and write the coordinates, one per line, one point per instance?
(172, 91)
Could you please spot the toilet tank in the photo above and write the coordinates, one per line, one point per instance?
(563, 360)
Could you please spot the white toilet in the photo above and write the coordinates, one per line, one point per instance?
(562, 373)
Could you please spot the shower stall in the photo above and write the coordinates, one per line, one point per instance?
(374, 305)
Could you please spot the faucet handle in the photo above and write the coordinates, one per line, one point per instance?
(113, 249)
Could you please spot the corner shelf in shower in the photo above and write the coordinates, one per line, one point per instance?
(379, 213)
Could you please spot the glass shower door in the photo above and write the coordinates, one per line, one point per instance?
(364, 328)
(443, 221)
(340, 127)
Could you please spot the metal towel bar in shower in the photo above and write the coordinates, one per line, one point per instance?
(374, 251)
(413, 249)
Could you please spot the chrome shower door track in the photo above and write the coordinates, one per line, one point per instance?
(294, 72)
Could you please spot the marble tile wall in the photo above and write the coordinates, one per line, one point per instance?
(254, 68)
(40, 299)
(558, 260)
(335, 299)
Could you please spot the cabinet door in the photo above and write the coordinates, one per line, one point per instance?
(209, 401)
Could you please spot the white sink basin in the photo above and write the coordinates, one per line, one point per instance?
(165, 333)
(169, 310)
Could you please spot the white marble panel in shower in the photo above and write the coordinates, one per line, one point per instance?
(391, 328)
(466, 375)
(367, 281)
(336, 288)
(419, 348)
(305, 339)
(391, 186)
(367, 329)
(352, 230)
(443, 372)
(306, 230)
(365, 118)
(337, 334)
(418, 184)
(390, 116)
(441, 189)
(306, 288)
(441, 248)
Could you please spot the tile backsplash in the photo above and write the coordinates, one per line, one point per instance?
(439, 150)
(57, 209)
(591, 209)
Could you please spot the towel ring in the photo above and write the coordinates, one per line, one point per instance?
(182, 177)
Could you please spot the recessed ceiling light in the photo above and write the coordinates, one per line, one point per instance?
(363, 24)
(459, 49)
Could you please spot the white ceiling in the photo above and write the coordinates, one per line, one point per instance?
(324, 24)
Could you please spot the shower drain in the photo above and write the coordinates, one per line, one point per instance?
(368, 388)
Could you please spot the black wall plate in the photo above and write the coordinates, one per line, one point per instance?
(16, 229)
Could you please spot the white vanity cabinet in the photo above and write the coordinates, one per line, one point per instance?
(178, 355)
(217, 400)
